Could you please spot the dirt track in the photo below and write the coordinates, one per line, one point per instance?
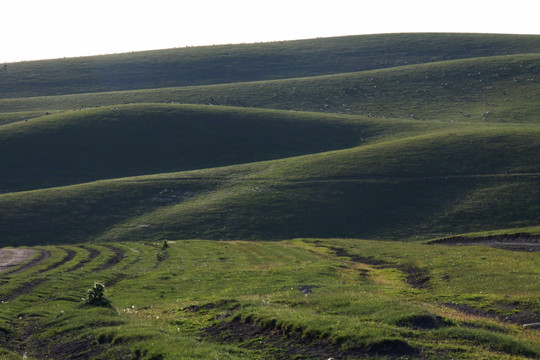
(515, 242)
(12, 258)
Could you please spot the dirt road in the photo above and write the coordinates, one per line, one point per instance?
(12, 258)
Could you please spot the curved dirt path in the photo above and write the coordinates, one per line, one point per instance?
(11, 258)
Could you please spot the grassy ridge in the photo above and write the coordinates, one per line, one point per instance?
(233, 63)
(453, 180)
(133, 140)
(494, 89)
(330, 176)
(414, 187)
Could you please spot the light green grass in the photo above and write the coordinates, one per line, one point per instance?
(439, 137)
(352, 305)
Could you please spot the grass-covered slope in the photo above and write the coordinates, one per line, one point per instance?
(445, 181)
(223, 172)
(120, 141)
(439, 140)
(234, 63)
(488, 89)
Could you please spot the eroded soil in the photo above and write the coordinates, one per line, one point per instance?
(280, 344)
(414, 276)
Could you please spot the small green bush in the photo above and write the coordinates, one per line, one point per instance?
(96, 296)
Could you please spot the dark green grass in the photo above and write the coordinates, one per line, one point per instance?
(490, 89)
(94, 207)
(463, 179)
(114, 142)
(234, 63)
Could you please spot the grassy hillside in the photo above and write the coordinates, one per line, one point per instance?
(234, 63)
(122, 141)
(443, 170)
(126, 170)
(489, 89)
(303, 299)
(460, 179)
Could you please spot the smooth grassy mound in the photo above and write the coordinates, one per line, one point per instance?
(473, 178)
(267, 174)
(112, 142)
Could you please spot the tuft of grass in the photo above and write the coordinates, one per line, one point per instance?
(96, 296)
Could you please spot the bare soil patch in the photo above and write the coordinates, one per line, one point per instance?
(13, 258)
(222, 304)
(415, 276)
(83, 348)
(115, 259)
(516, 316)
(423, 322)
(25, 341)
(360, 259)
(26, 288)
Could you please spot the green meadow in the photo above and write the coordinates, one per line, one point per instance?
(300, 299)
(362, 197)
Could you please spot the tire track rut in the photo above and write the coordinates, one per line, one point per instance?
(115, 259)
(92, 254)
(70, 255)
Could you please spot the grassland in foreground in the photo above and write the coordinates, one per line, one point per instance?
(302, 299)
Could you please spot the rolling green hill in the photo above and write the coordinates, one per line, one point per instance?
(431, 154)
(489, 89)
(460, 179)
(234, 63)
(120, 141)
(224, 225)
